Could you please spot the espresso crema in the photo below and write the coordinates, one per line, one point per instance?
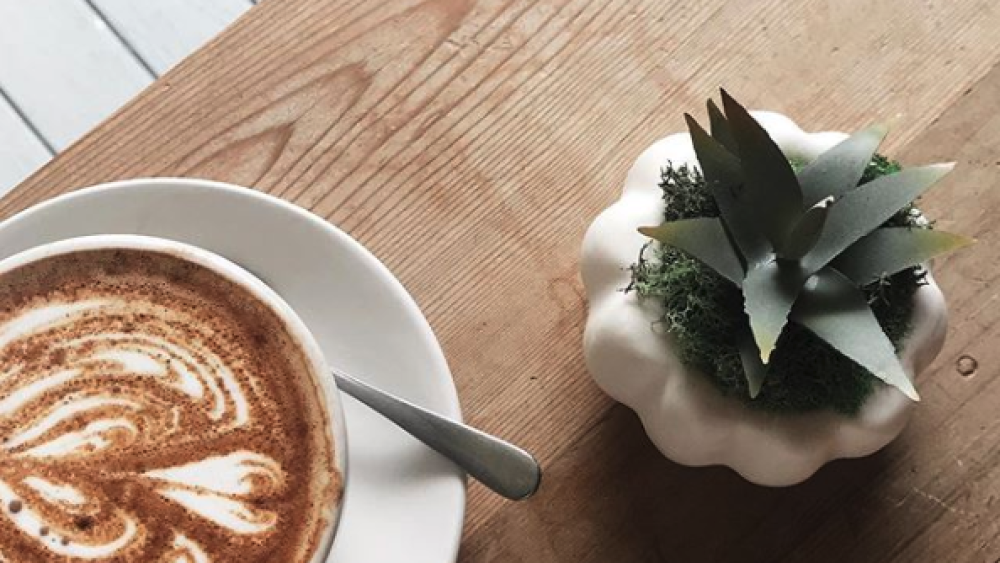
(153, 410)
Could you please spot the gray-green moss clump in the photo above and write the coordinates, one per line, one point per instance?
(701, 310)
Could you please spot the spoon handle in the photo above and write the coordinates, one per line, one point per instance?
(503, 467)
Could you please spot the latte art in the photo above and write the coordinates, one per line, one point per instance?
(152, 410)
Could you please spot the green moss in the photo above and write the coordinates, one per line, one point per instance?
(702, 311)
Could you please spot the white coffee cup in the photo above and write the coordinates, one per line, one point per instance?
(234, 273)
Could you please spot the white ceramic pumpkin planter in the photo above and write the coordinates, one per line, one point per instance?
(683, 413)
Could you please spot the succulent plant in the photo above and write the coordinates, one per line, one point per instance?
(801, 246)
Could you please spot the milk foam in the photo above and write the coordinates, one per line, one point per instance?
(187, 551)
(143, 398)
(54, 493)
(217, 488)
(32, 523)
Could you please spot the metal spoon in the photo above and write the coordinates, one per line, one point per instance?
(503, 467)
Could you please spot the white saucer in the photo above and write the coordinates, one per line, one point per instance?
(403, 502)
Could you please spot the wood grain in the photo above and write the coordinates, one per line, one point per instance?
(469, 144)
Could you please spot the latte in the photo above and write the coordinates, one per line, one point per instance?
(153, 410)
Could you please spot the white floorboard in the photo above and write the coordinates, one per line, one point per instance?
(68, 64)
(163, 32)
(21, 152)
(64, 67)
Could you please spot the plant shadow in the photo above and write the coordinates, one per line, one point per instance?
(614, 497)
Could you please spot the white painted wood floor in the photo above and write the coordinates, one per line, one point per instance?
(65, 65)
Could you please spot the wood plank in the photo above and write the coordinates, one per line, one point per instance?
(469, 144)
(21, 151)
(166, 31)
(68, 71)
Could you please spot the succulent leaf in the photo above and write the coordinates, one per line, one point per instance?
(704, 239)
(801, 246)
(717, 164)
(770, 181)
(838, 170)
(769, 291)
(834, 309)
(720, 128)
(884, 252)
(754, 369)
(725, 180)
(862, 210)
(806, 232)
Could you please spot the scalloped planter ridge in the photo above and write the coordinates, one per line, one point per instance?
(683, 413)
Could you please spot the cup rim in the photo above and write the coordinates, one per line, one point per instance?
(235, 273)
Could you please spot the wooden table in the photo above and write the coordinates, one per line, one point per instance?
(468, 144)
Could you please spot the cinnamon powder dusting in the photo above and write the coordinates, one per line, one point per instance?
(153, 410)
